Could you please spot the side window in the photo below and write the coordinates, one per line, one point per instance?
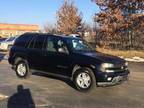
(51, 45)
(39, 42)
(62, 48)
(31, 43)
(23, 40)
(56, 45)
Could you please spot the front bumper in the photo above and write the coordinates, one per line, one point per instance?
(106, 79)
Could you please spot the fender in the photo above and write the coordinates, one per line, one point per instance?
(78, 66)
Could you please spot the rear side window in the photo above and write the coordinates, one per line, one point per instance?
(23, 40)
(39, 42)
(31, 43)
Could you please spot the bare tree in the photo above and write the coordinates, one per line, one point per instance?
(120, 19)
(68, 17)
(50, 28)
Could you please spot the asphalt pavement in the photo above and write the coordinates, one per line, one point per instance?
(43, 91)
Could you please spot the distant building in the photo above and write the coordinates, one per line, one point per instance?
(8, 30)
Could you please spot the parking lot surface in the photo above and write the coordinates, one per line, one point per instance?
(44, 91)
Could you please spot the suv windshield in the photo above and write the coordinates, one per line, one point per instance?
(77, 44)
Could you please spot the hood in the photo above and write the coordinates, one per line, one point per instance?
(104, 57)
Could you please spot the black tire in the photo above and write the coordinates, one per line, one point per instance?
(23, 63)
(89, 73)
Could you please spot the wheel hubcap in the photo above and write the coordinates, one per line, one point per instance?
(83, 80)
(21, 69)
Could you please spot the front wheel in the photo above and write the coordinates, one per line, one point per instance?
(22, 69)
(84, 79)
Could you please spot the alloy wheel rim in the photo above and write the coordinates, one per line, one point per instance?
(84, 80)
(21, 69)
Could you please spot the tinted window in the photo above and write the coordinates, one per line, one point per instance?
(77, 44)
(61, 46)
(51, 45)
(31, 43)
(23, 40)
(55, 43)
(39, 42)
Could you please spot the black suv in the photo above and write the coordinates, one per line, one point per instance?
(65, 56)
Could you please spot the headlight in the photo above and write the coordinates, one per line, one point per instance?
(104, 66)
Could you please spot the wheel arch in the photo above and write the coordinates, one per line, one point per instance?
(18, 57)
(77, 66)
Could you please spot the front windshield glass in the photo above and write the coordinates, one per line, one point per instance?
(80, 45)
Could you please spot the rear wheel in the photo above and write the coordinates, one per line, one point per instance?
(84, 79)
(22, 68)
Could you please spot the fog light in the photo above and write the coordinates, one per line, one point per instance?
(109, 78)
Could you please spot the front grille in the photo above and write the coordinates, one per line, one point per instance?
(118, 69)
